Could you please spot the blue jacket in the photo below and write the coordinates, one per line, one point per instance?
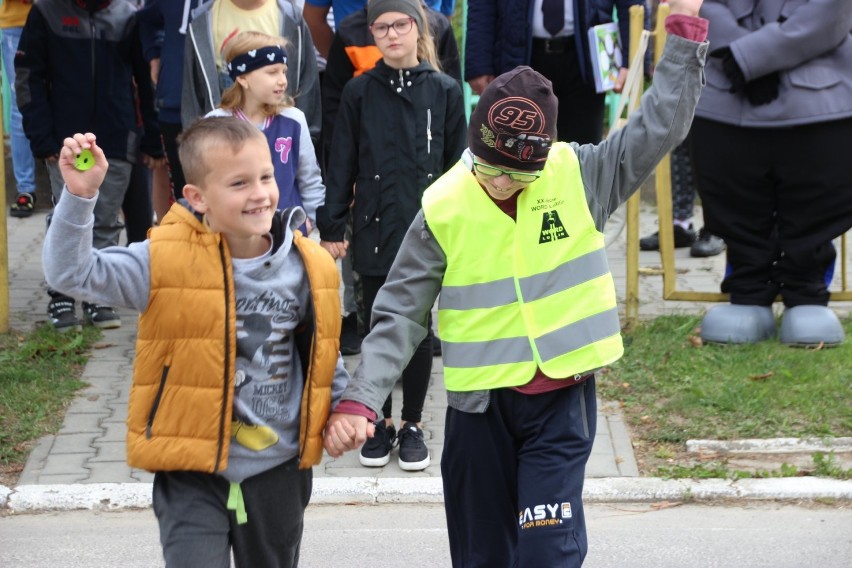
(499, 32)
(162, 29)
(75, 73)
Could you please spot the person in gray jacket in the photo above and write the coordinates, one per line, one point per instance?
(512, 239)
(771, 146)
(204, 80)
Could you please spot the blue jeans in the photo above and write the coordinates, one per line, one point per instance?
(22, 156)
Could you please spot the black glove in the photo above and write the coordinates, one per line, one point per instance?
(732, 69)
(762, 90)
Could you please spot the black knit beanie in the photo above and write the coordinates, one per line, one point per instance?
(514, 122)
(376, 8)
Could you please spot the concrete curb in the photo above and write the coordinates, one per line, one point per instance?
(771, 445)
(372, 491)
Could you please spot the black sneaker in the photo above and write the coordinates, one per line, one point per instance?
(61, 310)
(413, 453)
(376, 450)
(350, 339)
(707, 244)
(102, 317)
(23, 205)
(682, 238)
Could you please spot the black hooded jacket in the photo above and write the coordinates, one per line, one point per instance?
(76, 65)
(396, 132)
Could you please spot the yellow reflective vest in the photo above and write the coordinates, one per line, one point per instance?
(525, 293)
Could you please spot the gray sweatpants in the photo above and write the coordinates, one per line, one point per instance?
(197, 529)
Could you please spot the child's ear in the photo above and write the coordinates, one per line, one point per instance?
(195, 197)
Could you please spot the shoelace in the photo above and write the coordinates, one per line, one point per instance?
(95, 308)
(406, 432)
(61, 306)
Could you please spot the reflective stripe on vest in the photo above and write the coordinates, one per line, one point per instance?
(516, 295)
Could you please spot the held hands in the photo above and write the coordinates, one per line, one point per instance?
(337, 249)
(82, 183)
(345, 432)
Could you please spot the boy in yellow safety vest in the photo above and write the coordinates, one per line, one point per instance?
(511, 237)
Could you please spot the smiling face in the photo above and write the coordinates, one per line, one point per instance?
(266, 85)
(399, 50)
(498, 187)
(238, 195)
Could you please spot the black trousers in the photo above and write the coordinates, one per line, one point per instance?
(418, 372)
(513, 479)
(197, 529)
(777, 196)
(581, 109)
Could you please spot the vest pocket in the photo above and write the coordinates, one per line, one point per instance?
(156, 404)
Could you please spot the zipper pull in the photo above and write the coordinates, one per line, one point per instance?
(428, 130)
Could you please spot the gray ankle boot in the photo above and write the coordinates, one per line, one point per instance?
(735, 323)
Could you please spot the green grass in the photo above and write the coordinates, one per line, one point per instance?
(39, 375)
(673, 388)
(676, 390)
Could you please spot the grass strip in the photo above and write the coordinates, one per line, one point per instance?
(39, 375)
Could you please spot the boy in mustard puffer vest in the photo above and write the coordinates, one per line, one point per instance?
(222, 408)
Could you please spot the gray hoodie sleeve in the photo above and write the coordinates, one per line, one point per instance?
(113, 276)
(615, 168)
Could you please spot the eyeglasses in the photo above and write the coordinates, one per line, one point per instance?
(493, 171)
(401, 27)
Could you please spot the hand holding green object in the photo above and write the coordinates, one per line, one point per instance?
(84, 160)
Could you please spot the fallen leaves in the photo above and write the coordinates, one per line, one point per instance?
(762, 377)
(666, 505)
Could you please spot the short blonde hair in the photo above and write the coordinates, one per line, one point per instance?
(234, 96)
(207, 133)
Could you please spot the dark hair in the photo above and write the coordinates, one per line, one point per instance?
(206, 133)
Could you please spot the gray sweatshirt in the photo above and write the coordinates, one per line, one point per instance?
(611, 171)
(272, 299)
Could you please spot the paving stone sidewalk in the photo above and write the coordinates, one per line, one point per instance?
(89, 449)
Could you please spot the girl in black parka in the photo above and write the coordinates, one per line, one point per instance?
(400, 126)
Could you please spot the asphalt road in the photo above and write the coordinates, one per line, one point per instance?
(414, 536)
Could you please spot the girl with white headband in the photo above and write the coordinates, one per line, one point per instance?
(257, 63)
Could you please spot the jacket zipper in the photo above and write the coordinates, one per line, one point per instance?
(149, 425)
(307, 373)
(225, 379)
(428, 130)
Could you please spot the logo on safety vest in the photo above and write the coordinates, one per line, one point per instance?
(552, 228)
